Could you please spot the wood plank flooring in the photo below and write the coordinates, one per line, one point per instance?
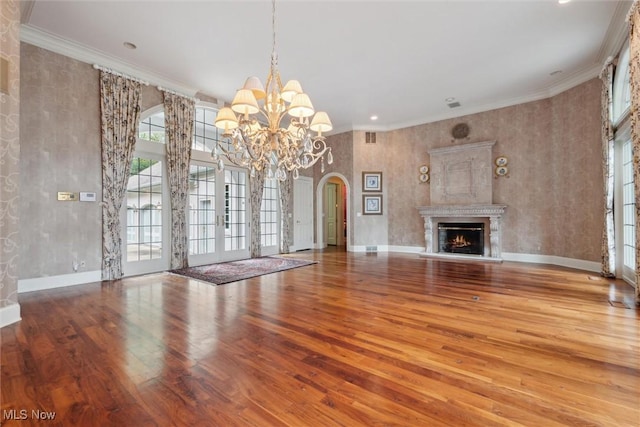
(354, 340)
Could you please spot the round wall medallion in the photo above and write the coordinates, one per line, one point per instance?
(459, 131)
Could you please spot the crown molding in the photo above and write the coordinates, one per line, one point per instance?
(617, 33)
(48, 41)
(567, 83)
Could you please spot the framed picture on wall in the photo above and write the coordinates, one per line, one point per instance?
(372, 205)
(372, 181)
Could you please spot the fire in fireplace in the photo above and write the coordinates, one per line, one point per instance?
(461, 238)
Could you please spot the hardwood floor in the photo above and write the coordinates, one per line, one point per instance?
(357, 339)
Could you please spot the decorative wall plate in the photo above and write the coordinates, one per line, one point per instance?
(501, 161)
(424, 169)
(502, 170)
(424, 177)
(460, 131)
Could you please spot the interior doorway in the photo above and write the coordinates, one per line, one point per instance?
(333, 212)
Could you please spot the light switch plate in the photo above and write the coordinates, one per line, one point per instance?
(65, 196)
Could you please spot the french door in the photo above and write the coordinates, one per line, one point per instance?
(625, 207)
(145, 216)
(218, 214)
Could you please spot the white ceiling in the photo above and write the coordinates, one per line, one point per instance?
(399, 60)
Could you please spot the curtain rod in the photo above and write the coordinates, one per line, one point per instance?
(173, 92)
(109, 70)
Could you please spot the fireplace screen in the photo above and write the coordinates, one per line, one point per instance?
(461, 238)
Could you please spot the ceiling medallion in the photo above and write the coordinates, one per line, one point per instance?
(460, 131)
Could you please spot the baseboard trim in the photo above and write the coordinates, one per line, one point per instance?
(52, 282)
(9, 314)
(578, 264)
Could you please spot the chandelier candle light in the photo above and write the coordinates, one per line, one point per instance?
(271, 146)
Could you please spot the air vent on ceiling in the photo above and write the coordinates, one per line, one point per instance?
(370, 137)
(455, 104)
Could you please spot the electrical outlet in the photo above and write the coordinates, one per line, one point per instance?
(83, 264)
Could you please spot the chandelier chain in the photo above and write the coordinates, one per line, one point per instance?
(273, 28)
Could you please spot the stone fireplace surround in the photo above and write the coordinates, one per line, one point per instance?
(490, 215)
(462, 191)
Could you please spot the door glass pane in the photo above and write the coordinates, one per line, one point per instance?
(629, 207)
(202, 214)
(235, 186)
(144, 210)
(269, 214)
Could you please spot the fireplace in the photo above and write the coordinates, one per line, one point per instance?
(461, 238)
(489, 217)
(462, 223)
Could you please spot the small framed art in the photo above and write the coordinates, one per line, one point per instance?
(372, 181)
(372, 205)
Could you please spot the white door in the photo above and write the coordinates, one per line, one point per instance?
(302, 213)
(144, 216)
(331, 206)
(218, 214)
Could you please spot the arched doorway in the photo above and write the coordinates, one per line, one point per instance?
(333, 212)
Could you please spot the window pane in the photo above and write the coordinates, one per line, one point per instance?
(202, 212)
(205, 133)
(144, 213)
(152, 128)
(629, 207)
(268, 213)
(235, 209)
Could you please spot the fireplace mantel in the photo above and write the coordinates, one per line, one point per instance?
(469, 212)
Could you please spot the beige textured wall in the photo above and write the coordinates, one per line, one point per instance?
(10, 154)
(342, 149)
(371, 230)
(60, 130)
(577, 173)
(553, 191)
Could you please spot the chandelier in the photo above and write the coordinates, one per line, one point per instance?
(258, 139)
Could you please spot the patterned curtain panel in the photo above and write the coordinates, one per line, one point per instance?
(257, 190)
(120, 114)
(179, 113)
(608, 242)
(286, 195)
(634, 81)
